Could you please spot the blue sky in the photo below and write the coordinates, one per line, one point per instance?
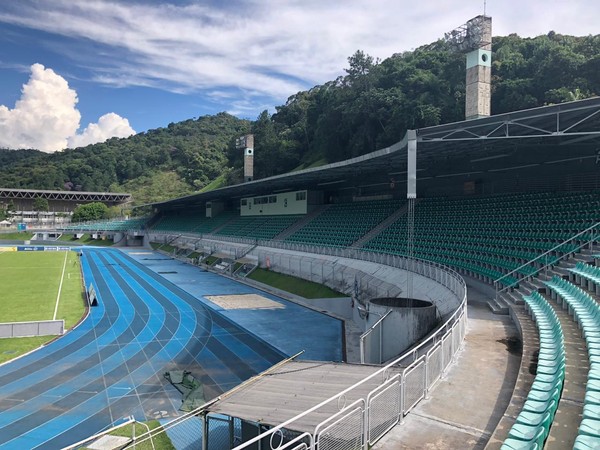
(155, 62)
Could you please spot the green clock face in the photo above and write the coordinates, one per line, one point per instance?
(479, 57)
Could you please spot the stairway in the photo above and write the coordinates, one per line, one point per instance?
(382, 226)
(301, 223)
(568, 416)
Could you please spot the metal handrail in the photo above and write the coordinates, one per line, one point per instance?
(543, 255)
(444, 329)
(369, 331)
(440, 273)
(420, 266)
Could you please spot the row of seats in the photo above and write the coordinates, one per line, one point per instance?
(589, 273)
(491, 236)
(533, 423)
(110, 225)
(485, 236)
(191, 221)
(586, 311)
(344, 223)
(258, 227)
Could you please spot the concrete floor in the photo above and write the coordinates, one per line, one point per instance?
(466, 405)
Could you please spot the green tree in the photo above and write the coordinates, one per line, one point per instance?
(90, 211)
(40, 204)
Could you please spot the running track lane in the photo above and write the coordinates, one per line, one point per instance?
(111, 365)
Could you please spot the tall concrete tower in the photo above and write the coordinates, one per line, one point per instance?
(475, 39)
(247, 144)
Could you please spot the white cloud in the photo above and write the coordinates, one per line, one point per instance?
(46, 117)
(108, 126)
(270, 49)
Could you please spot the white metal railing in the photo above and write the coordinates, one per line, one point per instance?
(578, 240)
(363, 337)
(430, 269)
(433, 355)
(422, 366)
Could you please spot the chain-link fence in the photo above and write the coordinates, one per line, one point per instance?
(344, 430)
(363, 422)
(414, 385)
(384, 405)
(434, 365)
(388, 402)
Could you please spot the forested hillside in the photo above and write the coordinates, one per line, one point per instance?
(156, 165)
(375, 102)
(370, 107)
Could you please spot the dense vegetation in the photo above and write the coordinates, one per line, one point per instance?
(155, 165)
(370, 107)
(89, 212)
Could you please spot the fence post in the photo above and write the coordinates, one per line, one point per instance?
(205, 431)
(381, 342)
(402, 396)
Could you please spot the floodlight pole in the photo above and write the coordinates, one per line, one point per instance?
(247, 144)
(475, 40)
(411, 195)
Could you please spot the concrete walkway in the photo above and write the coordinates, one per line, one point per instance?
(466, 405)
(570, 407)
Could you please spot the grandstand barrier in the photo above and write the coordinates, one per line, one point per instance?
(33, 328)
(367, 419)
(550, 258)
(235, 247)
(373, 416)
(367, 287)
(371, 342)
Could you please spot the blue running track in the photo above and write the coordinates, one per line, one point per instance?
(112, 364)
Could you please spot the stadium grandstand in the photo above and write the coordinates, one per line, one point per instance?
(61, 204)
(467, 258)
(510, 202)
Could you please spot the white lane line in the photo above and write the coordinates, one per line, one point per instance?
(62, 277)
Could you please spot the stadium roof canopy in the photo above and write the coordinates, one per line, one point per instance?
(502, 139)
(71, 196)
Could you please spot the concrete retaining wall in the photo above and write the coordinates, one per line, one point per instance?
(399, 330)
(362, 279)
(25, 329)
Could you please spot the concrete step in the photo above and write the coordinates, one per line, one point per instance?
(581, 258)
(568, 415)
(513, 297)
(498, 306)
(533, 284)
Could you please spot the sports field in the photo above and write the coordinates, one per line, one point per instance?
(38, 286)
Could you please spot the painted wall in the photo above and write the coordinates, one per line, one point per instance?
(275, 204)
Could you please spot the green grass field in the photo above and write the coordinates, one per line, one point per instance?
(161, 441)
(298, 286)
(30, 283)
(86, 239)
(16, 236)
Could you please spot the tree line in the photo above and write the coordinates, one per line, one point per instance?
(369, 107)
